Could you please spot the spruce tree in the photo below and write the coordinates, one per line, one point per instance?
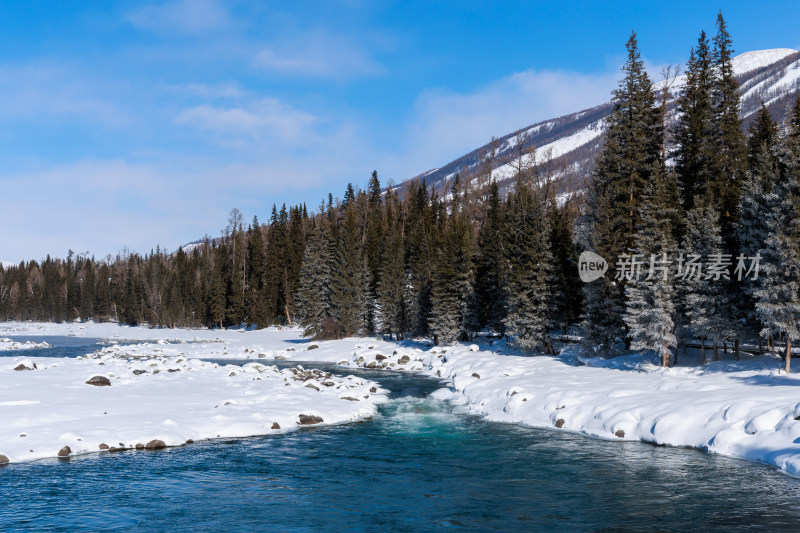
(757, 202)
(632, 144)
(452, 293)
(349, 282)
(705, 299)
(491, 264)
(729, 162)
(392, 273)
(314, 293)
(778, 298)
(650, 311)
(693, 133)
(529, 278)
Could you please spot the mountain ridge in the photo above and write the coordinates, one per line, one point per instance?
(570, 142)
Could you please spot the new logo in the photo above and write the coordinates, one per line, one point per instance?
(591, 266)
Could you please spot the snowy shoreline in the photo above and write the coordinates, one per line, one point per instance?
(743, 409)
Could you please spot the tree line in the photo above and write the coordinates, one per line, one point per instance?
(416, 262)
(718, 193)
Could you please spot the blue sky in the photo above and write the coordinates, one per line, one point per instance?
(131, 124)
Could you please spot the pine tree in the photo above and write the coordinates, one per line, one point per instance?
(566, 294)
(314, 293)
(349, 284)
(452, 293)
(706, 300)
(729, 162)
(650, 312)
(392, 274)
(693, 134)
(757, 201)
(491, 264)
(778, 298)
(530, 270)
(631, 150)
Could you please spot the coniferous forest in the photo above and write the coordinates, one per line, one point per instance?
(413, 261)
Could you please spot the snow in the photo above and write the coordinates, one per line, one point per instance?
(155, 395)
(757, 59)
(8, 344)
(556, 149)
(744, 409)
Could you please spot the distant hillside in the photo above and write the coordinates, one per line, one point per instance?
(572, 141)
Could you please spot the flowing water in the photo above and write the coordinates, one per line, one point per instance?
(419, 465)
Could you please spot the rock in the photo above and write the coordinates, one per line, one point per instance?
(306, 420)
(99, 381)
(189, 441)
(25, 365)
(139, 446)
(373, 389)
(140, 372)
(360, 361)
(620, 433)
(155, 444)
(350, 398)
(403, 360)
(280, 357)
(275, 425)
(65, 451)
(103, 446)
(560, 423)
(117, 449)
(312, 347)
(312, 386)
(328, 383)
(3, 459)
(476, 375)
(174, 370)
(380, 357)
(371, 364)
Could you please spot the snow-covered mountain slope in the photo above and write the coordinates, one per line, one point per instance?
(568, 144)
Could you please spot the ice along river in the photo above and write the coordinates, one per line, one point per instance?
(420, 465)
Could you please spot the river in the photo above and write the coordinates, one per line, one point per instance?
(420, 465)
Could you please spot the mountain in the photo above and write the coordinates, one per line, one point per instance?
(568, 144)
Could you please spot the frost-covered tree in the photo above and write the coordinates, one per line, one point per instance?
(452, 293)
(755, 205)
(529, 276)
(705, 295)
(778, 298)
(650, 309)
(313, 298)
(349, 284)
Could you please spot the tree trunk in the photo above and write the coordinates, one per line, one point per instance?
(703, 350)
(788, 353)
(736, 350)
(716, 352)
(725, 346)
(665, 356)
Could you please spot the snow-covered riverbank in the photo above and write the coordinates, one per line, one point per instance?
(743, 409)
(50, 406)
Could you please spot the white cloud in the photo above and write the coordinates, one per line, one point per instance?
(448, 124)
(182, 16)
(105, 205)
(318, 55)
(61, 92)
(268, 116)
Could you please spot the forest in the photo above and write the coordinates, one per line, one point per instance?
(475, 259)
